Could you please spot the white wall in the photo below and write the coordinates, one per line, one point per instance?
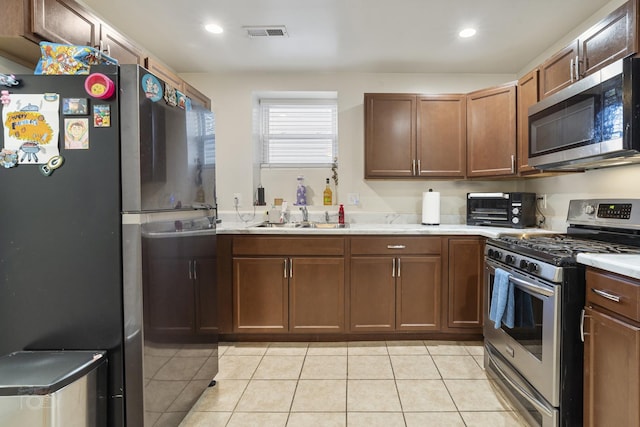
(9, 67)
(231, 95)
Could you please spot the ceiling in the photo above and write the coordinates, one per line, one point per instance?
(347, 35)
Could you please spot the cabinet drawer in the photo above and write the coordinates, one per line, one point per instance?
(288, 246)
(390, 245)
(604, 288)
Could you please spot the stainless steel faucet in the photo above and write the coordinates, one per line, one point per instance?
(326, 216)
(305, 214)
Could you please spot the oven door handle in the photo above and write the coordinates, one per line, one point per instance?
(531, 287)
(524, 393)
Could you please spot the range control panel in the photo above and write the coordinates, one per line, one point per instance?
(614, 210)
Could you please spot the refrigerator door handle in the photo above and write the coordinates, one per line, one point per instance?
(190, 271)
(195, 269)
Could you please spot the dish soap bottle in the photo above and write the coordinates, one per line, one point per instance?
(301, 192)
(327, 195)
(341, 214)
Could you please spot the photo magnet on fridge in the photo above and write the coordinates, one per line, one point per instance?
(101, 116)
(76, 134)
(74, 106)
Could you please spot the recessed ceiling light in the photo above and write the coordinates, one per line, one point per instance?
(467, 32)
(214, 28)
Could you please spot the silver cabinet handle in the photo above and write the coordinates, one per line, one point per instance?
(399, 266)
(285, 268)
(418, 169)
(396, 246)
(582, 317)
(195, 269)
(190, 270)
(513, 164)
(393, 268)
(607, 295)
(571, 74)
(577, 68)
(413, 167)
(290, 268)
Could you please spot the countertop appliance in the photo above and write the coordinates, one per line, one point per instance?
(539, 361)
(515, 210)
(70, 245)
(592, 123)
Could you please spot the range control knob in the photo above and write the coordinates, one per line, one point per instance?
(515, 220)
(532, 267)
(589, 209)
(524, 264)
(497, 255)
(510, 259)
(515, 211)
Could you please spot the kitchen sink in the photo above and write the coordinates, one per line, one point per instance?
(301, 225)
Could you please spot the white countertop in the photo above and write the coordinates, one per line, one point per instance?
(627, 265)
(373, 229)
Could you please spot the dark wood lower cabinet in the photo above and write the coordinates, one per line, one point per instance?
(179, 287)
(611, 371)
(418, 286)
(372, 294)
(464, 287)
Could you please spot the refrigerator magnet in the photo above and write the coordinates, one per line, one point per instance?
(99, 86)
(74, 106)
(53, 164)
(76, 133)
(151, 87)
(101, 116)
(170, 95)
(8, 158)
(182, 99)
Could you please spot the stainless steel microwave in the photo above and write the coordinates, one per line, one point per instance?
(593, 123)
(516, 210)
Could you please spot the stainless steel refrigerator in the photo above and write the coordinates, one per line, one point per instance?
(71, 229)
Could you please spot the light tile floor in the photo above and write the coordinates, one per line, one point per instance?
(393, 383)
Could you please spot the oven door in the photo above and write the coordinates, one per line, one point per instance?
(532, 346)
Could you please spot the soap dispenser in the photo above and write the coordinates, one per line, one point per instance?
(301, 192)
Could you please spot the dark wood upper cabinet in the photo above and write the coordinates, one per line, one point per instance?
(196, 96)
(118, 47)
(415, 136)
(65, 21)
(527, 95)
(390, 135)
(163, 72)
(613, 38)
(442, 136)
(491, 132)
(557, 72)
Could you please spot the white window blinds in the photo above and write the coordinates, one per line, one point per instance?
(298, 132)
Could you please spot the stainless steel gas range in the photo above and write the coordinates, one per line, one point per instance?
(538, 358)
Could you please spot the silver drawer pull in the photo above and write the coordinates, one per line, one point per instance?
(607, 295)
(396, 246)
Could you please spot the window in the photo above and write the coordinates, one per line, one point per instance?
(298, 132)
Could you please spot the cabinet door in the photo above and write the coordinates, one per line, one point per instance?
(557, 72)
(118, 47)
(260, 295)
(491, 132)
(372, 294)
(205, 276)
(196, 96)
(611, 371)
(465, 283)
(527, 96)
(611, 39)
(163, 72)
(418, 283)
(169, 297)
(442, 136)
(316, 299)
(390, 135)
(64, 21)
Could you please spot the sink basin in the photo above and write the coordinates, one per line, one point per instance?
(178, 228)
(301, 225)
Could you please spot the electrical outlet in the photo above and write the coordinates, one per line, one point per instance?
(237, 200)
(543, 200)
(353, 199)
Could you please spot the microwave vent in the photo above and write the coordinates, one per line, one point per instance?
(270, 31)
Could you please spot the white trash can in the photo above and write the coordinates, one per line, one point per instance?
(53, 389)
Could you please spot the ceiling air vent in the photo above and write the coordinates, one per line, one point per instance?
(270, 31)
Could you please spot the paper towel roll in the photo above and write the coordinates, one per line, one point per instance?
(431, 208)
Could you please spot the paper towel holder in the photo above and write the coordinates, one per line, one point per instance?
(431, 208)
